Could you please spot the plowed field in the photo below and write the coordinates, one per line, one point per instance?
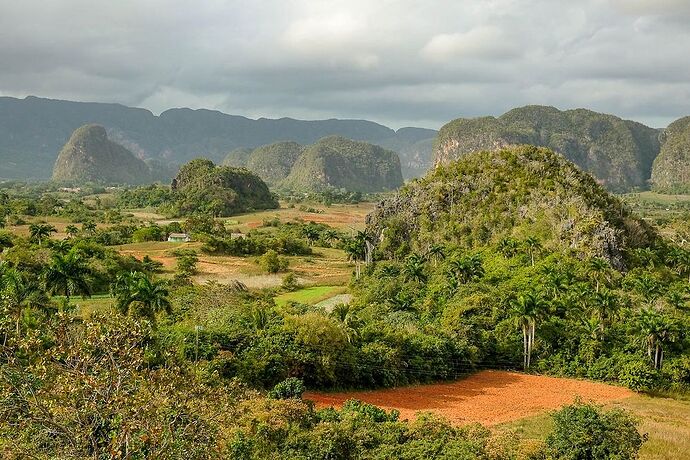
(487, 397)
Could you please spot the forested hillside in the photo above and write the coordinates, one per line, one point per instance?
(618, 153)
(89, 156)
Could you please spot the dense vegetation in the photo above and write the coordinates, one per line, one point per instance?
(202, 187)
(511, 259)
(272, 163)
(671, 172)
(619, 153)
(518, 254)
(337, 162)
(89, 156)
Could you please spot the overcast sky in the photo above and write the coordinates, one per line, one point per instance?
(398, 62)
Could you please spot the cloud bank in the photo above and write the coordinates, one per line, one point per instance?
(398, 62)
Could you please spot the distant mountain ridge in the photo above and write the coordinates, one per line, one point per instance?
(618, 153)
(32, 131)
(331, 162)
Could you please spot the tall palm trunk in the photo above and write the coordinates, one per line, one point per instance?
(525, 347)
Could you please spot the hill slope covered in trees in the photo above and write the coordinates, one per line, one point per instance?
(618, 153)
(343, 163)
(514, 192)
(671, 171)
(202, 187)
(89, 156)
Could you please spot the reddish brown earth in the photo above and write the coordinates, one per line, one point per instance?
(487, 397)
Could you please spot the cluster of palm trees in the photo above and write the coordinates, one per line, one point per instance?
(68, 275)
(139, 295)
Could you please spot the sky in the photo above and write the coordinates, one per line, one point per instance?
(397, 62)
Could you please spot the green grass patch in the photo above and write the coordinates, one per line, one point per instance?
(310, 295)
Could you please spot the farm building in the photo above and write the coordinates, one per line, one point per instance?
(179, 238)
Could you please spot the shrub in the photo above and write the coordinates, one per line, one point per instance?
(586, 431)
(290, 388)
(638, 375)
(272, 262)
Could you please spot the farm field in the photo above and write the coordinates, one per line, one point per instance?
(510, 401)
(326, 266)
(310, 296)
(487, 397)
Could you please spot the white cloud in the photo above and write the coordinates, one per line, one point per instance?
(482, 42)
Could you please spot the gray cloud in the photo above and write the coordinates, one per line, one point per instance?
(399, 62)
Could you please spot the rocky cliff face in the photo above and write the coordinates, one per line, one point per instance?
(515, 192)
(89, 156)
(671, 170)
(618, 153)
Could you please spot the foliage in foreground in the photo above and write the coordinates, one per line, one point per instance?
(106, 388)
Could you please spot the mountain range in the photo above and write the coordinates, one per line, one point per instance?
(33, 130)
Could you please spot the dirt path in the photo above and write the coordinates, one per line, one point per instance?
(487, 397)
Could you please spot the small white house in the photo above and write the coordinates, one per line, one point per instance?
(179, 238)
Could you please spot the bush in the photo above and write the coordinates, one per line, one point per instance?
(586, 431)
(290, 388)
(638, 375)
(272, 262)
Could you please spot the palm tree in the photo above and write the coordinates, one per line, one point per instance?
(329, 235)
(533, 245)
(467, 269)
(88, 227)
(349, 323)
(136, 289)
(436, 253)
(39, 232)
(311, 233)
(656, 330)
(525, 311)
(606, 306)
(680, 260)
(508, 247)
(414, 268)
(19, 293)
(356, 249)
(67, 275)
(71, 231)
(598, 270)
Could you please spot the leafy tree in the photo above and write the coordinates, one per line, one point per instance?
(271, 262)
(586, 431)
(290, 388)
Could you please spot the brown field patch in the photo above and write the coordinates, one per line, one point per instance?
(487, 397)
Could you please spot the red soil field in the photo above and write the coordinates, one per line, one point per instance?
(487, 397)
